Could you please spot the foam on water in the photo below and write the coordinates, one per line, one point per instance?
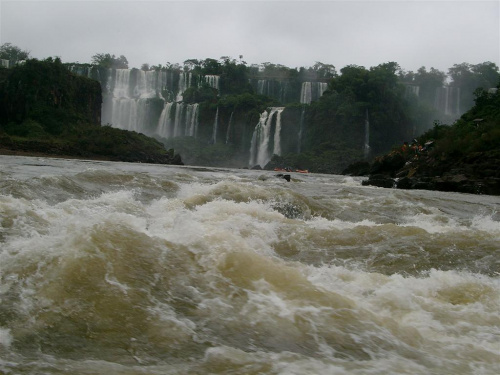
(486, 223)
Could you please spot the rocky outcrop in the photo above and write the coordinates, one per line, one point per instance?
(476, 173)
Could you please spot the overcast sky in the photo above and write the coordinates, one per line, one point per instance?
(435, 34)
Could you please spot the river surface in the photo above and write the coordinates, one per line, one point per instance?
(120, 268)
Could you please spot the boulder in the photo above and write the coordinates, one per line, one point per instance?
(359, 168)
(380, 181)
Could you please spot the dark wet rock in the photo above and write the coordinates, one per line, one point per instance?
(389, 164)
(379, 180)
(284, 176)
(360, 168)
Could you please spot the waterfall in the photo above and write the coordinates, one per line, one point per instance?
(273, 88)
(184, 122)
(149, 84)
(192, 120)
(229, 127)
(412, 90)
(277, 133)
(254, 145)
(447, 100)
(367, 136)
(122, 84)
(184, 83)
(306, 93)
(164, 123)
(260, 153)
(301, 129)
(322, 86)
(85, 71)
(129, 104)
(262, 87)
(130, 101)
(177, 118)
(312, 91)
(216, 125)
(212, 81)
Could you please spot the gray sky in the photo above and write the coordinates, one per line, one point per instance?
(435, 34)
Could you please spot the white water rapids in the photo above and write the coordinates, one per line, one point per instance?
(118, 268)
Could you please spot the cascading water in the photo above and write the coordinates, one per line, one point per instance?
(211, 80)
(301, 129)
(192, 120)
(367, 136)
(256, 137)
(260, 151)
(229, 128)
(277, 133)
(127, 105)
(447, 100)
(312, 91)
(121, 88)
(263, 87)
(216, 125)
(276, 89)
(150, 84)
(179, 111)
(182, 122)
(165, 129)
(306, 93)
(184, 84)
(129, 100)
(412, 90)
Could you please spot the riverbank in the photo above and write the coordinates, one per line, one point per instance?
(9, 152)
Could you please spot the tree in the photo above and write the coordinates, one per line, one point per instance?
(191, 64)
(211, 66)
(487, 74)
(110, 61)
(12, 53)
(429, 81)
(470, 77)
(324, 70)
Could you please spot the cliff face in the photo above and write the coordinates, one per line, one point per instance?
(48, 94)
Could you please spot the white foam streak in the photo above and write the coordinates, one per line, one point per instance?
(5, 337)
(486, 224)
(433, 223)
(446, 307)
